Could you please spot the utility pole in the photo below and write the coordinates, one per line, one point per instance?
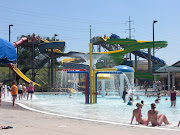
(130, 29)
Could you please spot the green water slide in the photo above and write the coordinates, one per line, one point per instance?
(132, 45)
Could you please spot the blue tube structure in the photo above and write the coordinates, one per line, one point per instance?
(87, 73)
(105, 72)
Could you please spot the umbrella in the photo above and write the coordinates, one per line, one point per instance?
(7, 52)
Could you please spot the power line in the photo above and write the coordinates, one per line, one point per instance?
(45, 16)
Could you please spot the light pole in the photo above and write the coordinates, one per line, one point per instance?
(52, 63)
(153, 45)
(10, 41)
(10, 32)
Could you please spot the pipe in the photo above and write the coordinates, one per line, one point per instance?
(94, 81)
(87, 84)
(103, 72)
(91, 72)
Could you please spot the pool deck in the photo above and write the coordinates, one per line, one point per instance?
(26, 122)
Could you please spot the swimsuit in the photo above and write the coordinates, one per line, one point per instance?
(31, 89)
(129, 103)
(137, 119)
(173, 96)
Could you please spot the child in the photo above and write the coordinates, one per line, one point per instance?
(14, 92)
(130, 102)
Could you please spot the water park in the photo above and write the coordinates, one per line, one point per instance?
(91, 85)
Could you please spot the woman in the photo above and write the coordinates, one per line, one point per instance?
(137, 114)
(30, 90)
(154, 118)
(173, 94)
(14, 91)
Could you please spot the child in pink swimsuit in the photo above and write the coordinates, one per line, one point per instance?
(30, 90)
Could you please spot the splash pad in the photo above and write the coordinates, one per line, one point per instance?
(108, 79)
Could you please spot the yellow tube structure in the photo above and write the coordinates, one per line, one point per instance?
(91, 73)
(94, 80)
(94, 91)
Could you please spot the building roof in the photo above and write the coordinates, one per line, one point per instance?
(169, 68)
(177, 64)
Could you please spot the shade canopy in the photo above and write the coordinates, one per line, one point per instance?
(7, 52)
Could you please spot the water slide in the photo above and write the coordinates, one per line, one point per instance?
(15, 69)
(45, 45)
(133, 45)
(51, 46)
(144, 55)
(130, 45)
(117, 56)
(20, 74)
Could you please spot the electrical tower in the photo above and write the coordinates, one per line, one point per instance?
(130, 29)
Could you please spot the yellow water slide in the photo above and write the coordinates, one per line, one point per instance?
(21, 75)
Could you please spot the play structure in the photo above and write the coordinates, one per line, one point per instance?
(44, 46)
(115, 56)
(71, 78)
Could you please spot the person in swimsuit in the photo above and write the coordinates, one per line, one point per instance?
(30, 90)
(173, 94)
(137, 114)
(14, 91)
(20, 91)
(1, 85)
(124, 95)
(154, 118)
(130, 102)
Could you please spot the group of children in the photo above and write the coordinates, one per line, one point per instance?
(21, 91)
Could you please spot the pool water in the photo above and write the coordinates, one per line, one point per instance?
(110, 108)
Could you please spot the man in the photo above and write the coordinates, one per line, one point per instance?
(154, 118)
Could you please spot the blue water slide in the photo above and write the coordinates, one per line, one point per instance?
(144, 55)
(51, 45)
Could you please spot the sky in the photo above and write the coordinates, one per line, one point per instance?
(70, 19)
